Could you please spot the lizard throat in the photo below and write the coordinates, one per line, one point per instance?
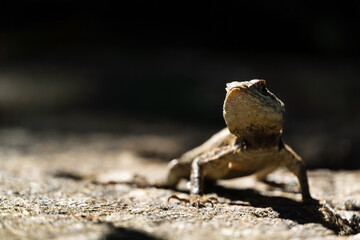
(259, 141)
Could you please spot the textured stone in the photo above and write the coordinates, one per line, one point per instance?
(50, 190)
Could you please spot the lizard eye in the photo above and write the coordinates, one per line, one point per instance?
(262, 89)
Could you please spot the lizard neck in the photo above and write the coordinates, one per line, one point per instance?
(257, 141)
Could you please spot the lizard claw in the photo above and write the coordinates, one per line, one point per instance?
(200, 201)
(178, 198)
(196, 200)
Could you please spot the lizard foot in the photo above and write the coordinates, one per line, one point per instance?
(196, 200)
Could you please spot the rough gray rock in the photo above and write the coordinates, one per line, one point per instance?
(60, 186)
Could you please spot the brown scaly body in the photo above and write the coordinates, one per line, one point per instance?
(251, 144)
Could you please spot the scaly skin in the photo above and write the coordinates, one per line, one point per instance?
(251, 143)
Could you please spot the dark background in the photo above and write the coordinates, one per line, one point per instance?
(65, 63)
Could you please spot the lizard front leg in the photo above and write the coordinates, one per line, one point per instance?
(196, 186)
(212, 165)
(201, 167)
(196, 182)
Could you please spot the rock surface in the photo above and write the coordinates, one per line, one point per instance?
(61, 185)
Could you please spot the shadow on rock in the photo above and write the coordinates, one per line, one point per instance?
(123, 234)
(291, 209)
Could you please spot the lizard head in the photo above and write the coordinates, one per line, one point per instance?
(251, 109)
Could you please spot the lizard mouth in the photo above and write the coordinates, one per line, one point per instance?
(232, 85)
(245, 84)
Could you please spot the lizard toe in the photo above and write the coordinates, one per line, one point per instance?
(178, 198)
(201, 201)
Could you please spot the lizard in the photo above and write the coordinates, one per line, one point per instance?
(252, 143)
